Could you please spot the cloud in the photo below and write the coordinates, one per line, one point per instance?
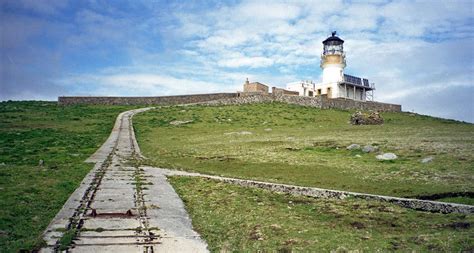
(253, 62)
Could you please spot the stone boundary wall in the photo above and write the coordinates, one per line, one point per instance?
(416, 204)
(289, 99)
(235, 99)
(318, 102)
(163, 100)
(340, 103)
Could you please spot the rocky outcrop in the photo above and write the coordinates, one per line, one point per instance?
(371, 118)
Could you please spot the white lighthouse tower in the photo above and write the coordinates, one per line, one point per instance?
(333, 60)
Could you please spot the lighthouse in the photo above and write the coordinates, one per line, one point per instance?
(333, 59)
(335, 83)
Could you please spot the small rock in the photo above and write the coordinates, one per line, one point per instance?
(365, 237)
(353, 146)
(387, 156)
(369, 149)
(2, 164)
(275, 227)
(239, 133)
(41, 163)
(245, 133)
(180, 122)
(358, 156)
(268, 129)
(427, 159)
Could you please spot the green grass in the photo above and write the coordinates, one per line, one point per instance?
(236, 219)
(306, 146)
(63, 137)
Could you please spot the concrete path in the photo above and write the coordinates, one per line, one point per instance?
(120, 207)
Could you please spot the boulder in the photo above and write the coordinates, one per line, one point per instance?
(370, 118)
(353, 146)
(180, 122)
(387, 156)
(369, 149)
(427, 159)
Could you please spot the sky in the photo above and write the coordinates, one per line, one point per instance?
(418, 53)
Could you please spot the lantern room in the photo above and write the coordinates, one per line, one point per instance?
(333, 45)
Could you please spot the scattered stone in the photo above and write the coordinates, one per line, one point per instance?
(275, 227)
(372, 118)
(268, 129)
(365, 237)
(239, 133)
(256, 233)
(291, 242)
(358, 156)
(2, 164)
(427, 159)
(387, 156)
(353, 146)
(369, 149)
(180, 122)
(41, 163)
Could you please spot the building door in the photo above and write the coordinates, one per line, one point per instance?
(329, 92)
(310, 93)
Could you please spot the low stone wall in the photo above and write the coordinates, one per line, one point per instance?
(318, 102)
(346, 104)
(241, 100)
(417, 204)
(164, 100)
(299, 100)
(235, 99)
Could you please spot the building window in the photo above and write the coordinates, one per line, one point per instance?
(319, 91)
(329, 92)
(310, 93)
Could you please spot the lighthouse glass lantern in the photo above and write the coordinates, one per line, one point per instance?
(333, 45)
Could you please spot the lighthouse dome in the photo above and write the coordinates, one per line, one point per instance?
(333, 40)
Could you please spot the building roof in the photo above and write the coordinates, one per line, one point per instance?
(333, 39)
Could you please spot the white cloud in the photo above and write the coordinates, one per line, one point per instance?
(253, 62)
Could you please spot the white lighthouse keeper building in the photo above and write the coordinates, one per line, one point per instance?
(335, 84)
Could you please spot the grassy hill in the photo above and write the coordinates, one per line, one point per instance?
(306, 146)
(63, 137)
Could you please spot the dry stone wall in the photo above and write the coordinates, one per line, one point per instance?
(234, 99)
(345, 104)
(317, 102)
(164, 100)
